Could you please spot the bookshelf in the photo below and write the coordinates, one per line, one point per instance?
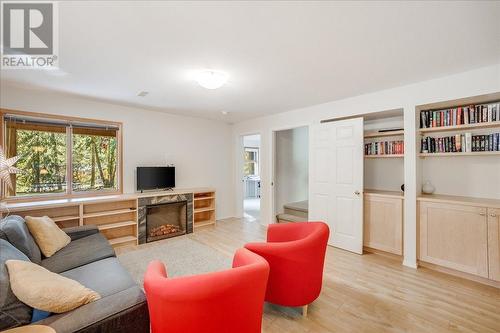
(471, 130)
(459, 220)
(204, 209)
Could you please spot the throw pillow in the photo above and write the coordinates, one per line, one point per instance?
(14, 230)
(49, 237)
(13, 312)
(39, 315)
(47, 291)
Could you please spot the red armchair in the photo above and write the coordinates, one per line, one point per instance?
(296, 255)
(226, 301)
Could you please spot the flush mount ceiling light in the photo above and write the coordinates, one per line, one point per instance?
(211, 79)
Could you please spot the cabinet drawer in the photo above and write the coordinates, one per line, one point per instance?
(383, 224)
(454, 236)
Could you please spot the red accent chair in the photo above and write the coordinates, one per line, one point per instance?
(225, 301)
(296, 255)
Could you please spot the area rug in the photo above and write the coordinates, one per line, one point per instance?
(182, 256)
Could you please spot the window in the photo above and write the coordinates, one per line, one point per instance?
(62, 156)
(251, 167)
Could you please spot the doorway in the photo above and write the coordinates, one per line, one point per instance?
(251, 177)
(291, 174)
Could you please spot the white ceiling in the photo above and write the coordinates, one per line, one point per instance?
(279, 55)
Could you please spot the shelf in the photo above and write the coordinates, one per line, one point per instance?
(384, 193)
(121, 240)
(116, 225)
(460, 127)
(65, 218)
(203, 198)
(203, 223)
(385, 156)
(383, 134)
(476, 153)
(200, 210)
(454, 199)
(109, 212)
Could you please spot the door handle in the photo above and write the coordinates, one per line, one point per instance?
(493, 215)
(482, 214)
(357, 192)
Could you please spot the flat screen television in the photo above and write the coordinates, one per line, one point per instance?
(152, 178)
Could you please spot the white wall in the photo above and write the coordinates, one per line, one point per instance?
(291, 166)
(200, 149)
(251, 141)
(476, 82)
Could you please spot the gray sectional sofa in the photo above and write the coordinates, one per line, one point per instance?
(88, 259)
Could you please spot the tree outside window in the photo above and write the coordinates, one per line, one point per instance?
(47, 147)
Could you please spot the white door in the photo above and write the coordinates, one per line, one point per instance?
(336, 181)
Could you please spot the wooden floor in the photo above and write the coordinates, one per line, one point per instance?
(371, 293)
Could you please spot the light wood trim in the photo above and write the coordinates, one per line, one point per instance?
(59, 117)
(494, 244)
(383, 134)
(65, 218)
(455, 236)
(203, 223)
(453, 199)
(116, 225)
(463, 275)
(384, 193)
(473, 153)
(109, 212)
(69, 193)
(122, 240)
(386, 156)
(386, 254)
(458, 128)
(203, 198)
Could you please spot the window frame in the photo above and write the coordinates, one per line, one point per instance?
(256, 161)
(69, 157)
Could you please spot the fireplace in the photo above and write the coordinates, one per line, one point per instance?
(165, 220)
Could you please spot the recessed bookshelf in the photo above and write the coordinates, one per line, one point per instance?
(482, 118)
(386, 156)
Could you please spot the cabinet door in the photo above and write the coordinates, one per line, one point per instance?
(383, 224)
(494, 243)
(454, 236)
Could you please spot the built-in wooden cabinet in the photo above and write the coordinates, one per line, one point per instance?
(204, 208)
(383, 221)
(494, 243)
(461, 234)
(454, 236)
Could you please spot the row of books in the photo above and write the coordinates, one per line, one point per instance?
(461, 143)
(385, 148)
(470, 114)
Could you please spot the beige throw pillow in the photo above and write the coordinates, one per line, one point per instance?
(47, 291)
(48, 236)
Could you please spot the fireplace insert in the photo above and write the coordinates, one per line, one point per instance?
(166, 220)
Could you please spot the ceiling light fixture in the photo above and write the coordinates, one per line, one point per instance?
(211, 79)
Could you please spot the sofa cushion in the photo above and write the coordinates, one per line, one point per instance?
(14, 230)
(47, 291)
(47, 234)
(13, 312)
(112, 281)
(78, 253)
(105, 276)
(90, 314)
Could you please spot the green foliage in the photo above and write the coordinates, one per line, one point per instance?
(43, 162)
